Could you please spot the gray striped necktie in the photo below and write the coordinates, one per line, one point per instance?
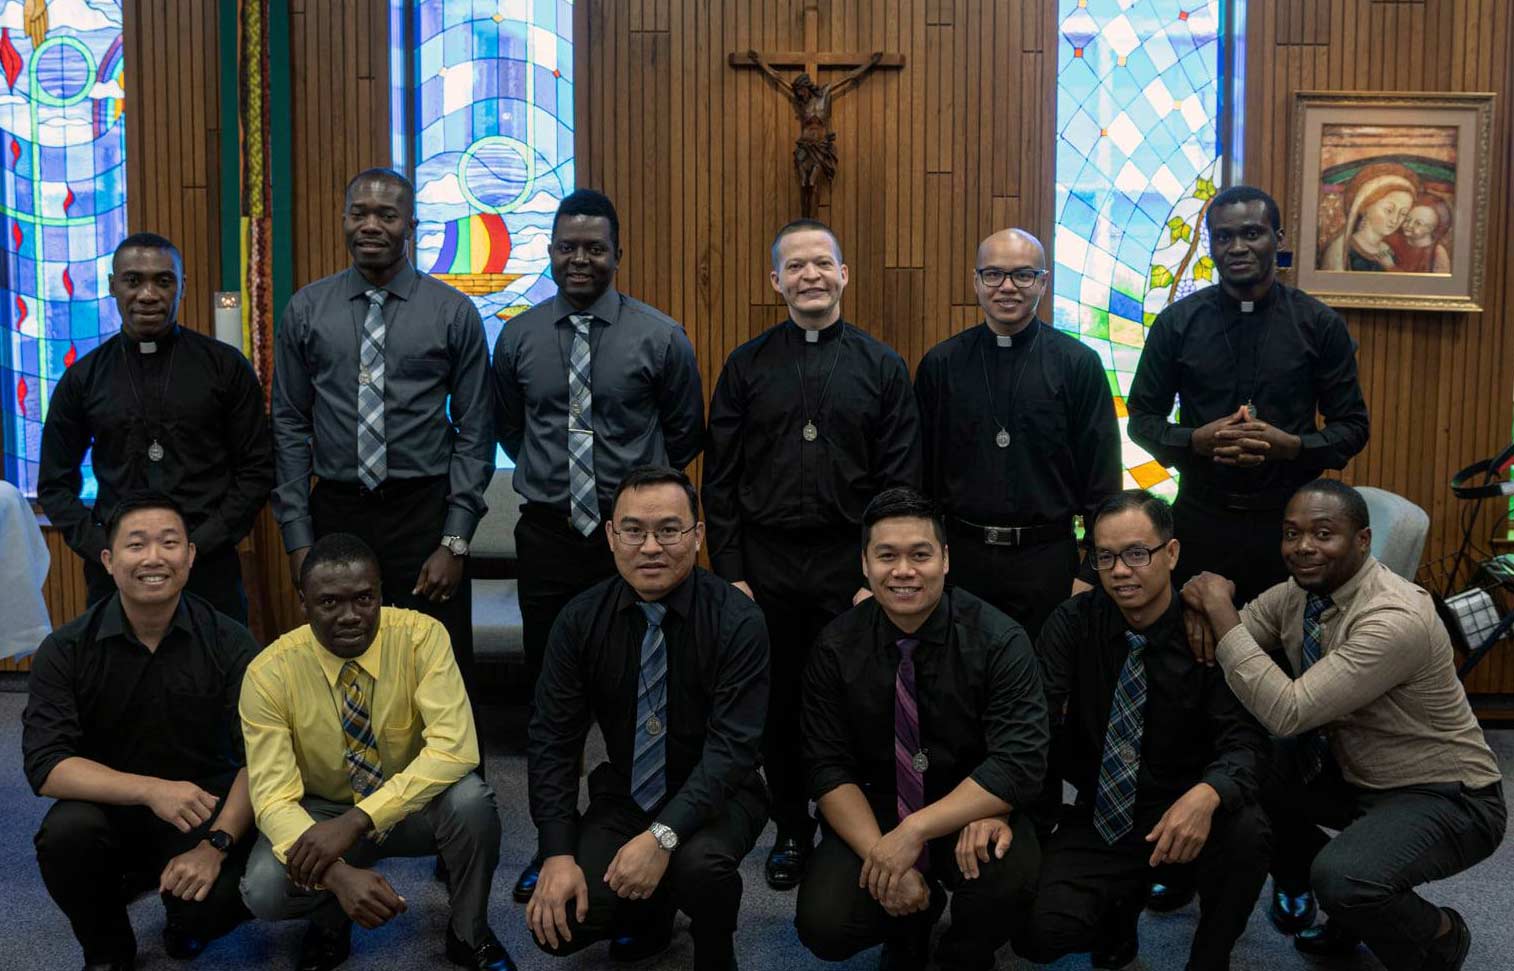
(649, 778)
(583, 497)
(372, 457)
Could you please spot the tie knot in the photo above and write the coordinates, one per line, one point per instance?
(376, 296)
(349, 673)
(655, 612)
(1316, 605)
(581, 323)
(907, 647)
(1137, 642)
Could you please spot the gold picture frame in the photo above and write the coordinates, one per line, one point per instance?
(1390, 198)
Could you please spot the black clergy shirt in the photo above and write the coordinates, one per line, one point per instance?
(1194, 730)
(1050, 392)
(982, 713)
(717, 699)
(1290, 357)
(97, 692)
(195, 396)
(644, 378)
(437, 415)
(761, 472)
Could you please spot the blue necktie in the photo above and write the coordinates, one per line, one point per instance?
(583, 496)
(1114, 804)
(372, 457)
(1315, 746)
(649, 777)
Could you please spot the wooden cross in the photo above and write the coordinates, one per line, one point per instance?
(815, 149)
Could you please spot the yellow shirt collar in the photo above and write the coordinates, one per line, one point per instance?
(369, 660)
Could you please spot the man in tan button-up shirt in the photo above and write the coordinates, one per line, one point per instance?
(1384, 745)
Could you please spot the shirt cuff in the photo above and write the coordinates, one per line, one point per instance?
(828, 780)
(994, 783)
(383, 808)
(459, 522)
(1229, 792)
(557, 838)
(1179, 437)
(298, 534)
(679, 816)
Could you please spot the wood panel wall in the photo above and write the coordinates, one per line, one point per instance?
(1440, 386)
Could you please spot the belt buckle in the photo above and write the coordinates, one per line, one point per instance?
(1001, 535)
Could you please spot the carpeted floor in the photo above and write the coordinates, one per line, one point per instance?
(39, 938)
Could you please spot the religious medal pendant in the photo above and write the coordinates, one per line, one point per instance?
(921, 761)
(364, 377)
(810, 431)
(155, 451)
(1250, 411)
(654, 726)
(1002, 439)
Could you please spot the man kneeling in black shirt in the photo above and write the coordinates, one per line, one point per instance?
(924, 732)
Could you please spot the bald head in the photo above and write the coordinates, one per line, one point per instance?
(1006, 258)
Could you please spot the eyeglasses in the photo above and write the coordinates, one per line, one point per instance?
(1022, 277)
(1134, 557)
(634, 537)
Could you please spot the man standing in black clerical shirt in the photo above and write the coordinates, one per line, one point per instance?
(1020, 436)
(1165, 760)
(1252, 362)
(809, 421)
(587, 386)
(672, 663)
(380, 387)
(925, 735)
(131, 725)
(165, 409)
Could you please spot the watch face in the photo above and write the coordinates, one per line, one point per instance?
(458, 546)
(219, 840)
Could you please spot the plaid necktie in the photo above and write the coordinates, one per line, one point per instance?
(372, 459)
(364, 768)
(1314, 747)
(583, 497)
(909, 782)
(1114, 804)
(649, 777)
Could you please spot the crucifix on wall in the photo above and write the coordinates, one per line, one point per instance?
(815, 149)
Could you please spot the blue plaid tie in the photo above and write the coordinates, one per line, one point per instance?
(364, 768)
(583, 497)
(1114, 804)
(372, 457)
(649, 777)
(1314, 747)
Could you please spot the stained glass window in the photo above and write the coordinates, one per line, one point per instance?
(1139, 85)
(62, 204)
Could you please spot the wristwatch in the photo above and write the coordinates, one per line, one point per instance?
(455, 545)
(220, 839)
(664, 835)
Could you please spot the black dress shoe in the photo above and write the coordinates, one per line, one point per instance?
(488, 956)
(1328, 940)
(1292, 912)
(525, 884)
(785, 867)
(1449, 951)
(322, 950)
(1167, 897)
(1118, 940)
(652, 941)
(180, 944)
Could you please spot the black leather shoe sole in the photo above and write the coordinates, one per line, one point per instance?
(525, 884)
(1458, 946)
(489, 957)
(785, 869)
(1325, 941)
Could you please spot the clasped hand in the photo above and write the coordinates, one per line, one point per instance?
(322, 845)
(889, 874)
(1241, 440)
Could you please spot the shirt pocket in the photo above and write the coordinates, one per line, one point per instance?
(432, 364)
(397, 745)
(1043, 422)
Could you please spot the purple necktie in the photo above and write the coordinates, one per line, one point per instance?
(909, 782)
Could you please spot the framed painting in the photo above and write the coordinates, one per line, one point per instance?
(1390, 195)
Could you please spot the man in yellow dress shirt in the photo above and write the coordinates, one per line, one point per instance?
(361, 746)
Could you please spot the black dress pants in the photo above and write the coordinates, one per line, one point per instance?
(1084, 880)
(802, 580)
(216, 576)
(557, 564)
(1241, 545)
(836, 918)
(1390, 841)
(91, 853)
(402, 520)
(702, 879)
(1025, 582)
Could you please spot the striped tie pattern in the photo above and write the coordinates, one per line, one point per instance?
(364, 768)
(1314, 745)
(649, 776)
(583, 497)
(1114, 804)
(909, 782)
(372, 457)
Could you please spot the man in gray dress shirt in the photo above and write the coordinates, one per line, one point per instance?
(380, 389)
(587, 386)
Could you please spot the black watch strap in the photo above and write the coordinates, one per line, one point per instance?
(220, 839)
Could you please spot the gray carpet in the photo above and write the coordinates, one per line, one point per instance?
(38, 937)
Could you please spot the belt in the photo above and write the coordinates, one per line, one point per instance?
(389, 488)
(1266, 500)
(1016, 535)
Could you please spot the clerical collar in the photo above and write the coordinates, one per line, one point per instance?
(1010, 340)
(826, 333)
(154, 346)
(1252, 306)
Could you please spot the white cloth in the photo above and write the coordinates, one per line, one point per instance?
(23, 571)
